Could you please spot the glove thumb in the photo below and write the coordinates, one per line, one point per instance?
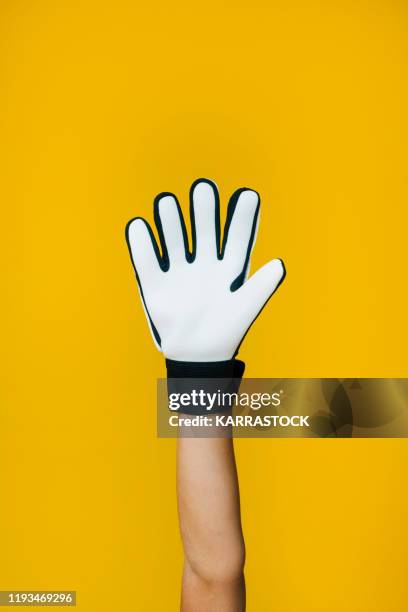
(257, 290)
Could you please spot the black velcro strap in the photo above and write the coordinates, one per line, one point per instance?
(233, 368)
(217, 379)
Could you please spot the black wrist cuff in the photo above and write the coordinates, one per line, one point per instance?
(216, 379)
(233, 368)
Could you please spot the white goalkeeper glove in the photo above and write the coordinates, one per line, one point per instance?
(200, 303)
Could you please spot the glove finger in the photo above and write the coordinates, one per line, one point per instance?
(256, 291)
(171, 228)
(240, 229)
(205, 219)
(143, 251)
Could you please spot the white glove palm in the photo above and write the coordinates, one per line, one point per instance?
(200, 305)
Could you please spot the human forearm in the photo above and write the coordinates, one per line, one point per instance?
(208, 498)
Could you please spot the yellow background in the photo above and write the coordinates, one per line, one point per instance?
(104, 104)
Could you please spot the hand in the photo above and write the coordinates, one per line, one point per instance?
(200, 304)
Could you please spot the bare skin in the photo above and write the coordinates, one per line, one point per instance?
(208, 500)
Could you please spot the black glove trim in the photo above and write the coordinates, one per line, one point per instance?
(232, 368)
(221, 376)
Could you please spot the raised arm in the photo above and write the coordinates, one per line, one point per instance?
(208, 499)
(200, 305)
